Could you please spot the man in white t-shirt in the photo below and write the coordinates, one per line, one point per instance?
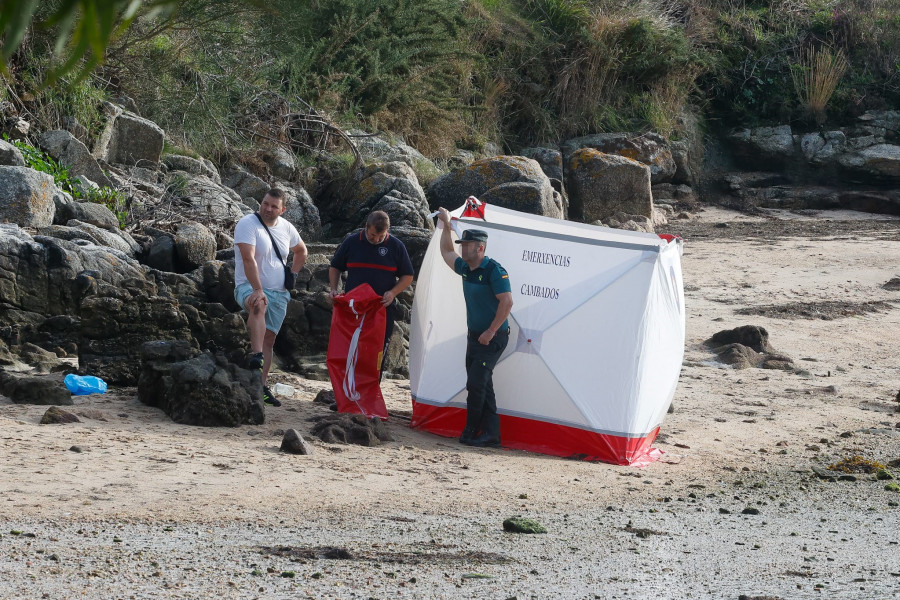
(259, 278)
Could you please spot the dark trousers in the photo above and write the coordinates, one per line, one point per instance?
(389, 318)
(481, 403)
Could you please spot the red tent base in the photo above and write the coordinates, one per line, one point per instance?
(543, 437)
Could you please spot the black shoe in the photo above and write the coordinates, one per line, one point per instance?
(269, 398)
(255, 361)
(466, 437)
(485, 441)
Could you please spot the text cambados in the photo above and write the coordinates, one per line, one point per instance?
(543, 258)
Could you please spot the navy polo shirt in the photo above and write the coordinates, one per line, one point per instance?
(480, 288)
(379, 265)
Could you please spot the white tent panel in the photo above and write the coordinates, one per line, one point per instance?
(525, 387)
(593, 350)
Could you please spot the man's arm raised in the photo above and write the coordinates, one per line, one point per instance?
(447, 251)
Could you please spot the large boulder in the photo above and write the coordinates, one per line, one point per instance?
(482, 177)
(10, 156)
(282, 163)
(301, 211)
(195, 166)
(244, 183)
(881, 160)
(392, 187)
(127, 138)
(194, 245)
(116, 321)
(601, 185)
(768, 148)
(88, 212)
(35, 390)
(67, 150)
(648, 148)
(204, 390)
(111, 238)
(27, 197)
(377, 149)
(205, 198)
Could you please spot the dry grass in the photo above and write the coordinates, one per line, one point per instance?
(816, 76)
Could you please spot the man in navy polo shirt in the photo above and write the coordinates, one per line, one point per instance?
(372, 255)
(488, 304)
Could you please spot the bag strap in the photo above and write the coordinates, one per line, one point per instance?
(274, 245)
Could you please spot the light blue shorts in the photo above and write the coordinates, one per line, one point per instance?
(275, 309)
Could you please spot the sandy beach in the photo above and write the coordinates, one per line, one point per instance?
(128, 504)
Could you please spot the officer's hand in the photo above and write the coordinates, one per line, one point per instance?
(486, 337)
(387, 298)
(444, 215)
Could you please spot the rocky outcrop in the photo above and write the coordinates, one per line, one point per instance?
(648, 148)
(204, 390)
(194, 166)
(202, 196)
(66, 149)
(88, 212)
(244, 183)
(377, 149)
(512, 182)
(27, 197)
(390, 186)
(30, 389)
(601, 185)
(127, 138)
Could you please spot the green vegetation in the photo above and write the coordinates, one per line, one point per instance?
(225, 77)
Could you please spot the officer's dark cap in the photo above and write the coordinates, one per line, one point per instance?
(473, 235)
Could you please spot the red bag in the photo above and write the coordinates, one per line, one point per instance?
(355, 348)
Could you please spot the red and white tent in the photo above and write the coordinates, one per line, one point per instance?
(596, 344)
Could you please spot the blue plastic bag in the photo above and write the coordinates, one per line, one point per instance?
(84, 384)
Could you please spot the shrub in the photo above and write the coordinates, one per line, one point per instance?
(816, 75)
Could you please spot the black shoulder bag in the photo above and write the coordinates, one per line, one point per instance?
(289, 277)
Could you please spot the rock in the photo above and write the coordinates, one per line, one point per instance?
(42, 360)
(883, 475)
(519, 524)
(206, 390)
(753, 336)
(350, 429)
(161, 254)
(377, 149)
(293, 443)
(301, 211)
(115, 239)
(649, 149)
(533, 192)
(35, 390)
(769, 148)
(393, 187)
(194, 246)
(601, 185)
(10, 156)
(57, 416)
(550, 160)
(829, 475)
(881, 159)
(87, 212)
(194, 166)
(73, 126)
(893, 285)
(750, 510)
(325, 397)
(461, 158)
(244, 183)
(282, 163)
(681, 157)
(205, 198)
(27, 197)
(127, 138)
(67, 150)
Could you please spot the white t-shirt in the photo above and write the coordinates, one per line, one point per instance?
(271, 270)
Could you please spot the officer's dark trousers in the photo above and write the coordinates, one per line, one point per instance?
(481, 402)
